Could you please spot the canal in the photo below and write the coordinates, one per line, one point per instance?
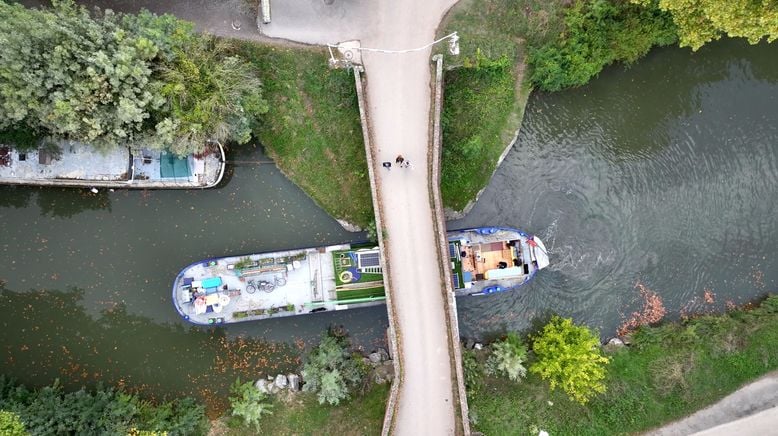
(661, 178)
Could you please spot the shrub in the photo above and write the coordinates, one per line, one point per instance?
(331, 371)
(473, 371)
(598, 33)
(569, 356)
(11, 424)
(508, 357)
(249, 403)
(50, 410)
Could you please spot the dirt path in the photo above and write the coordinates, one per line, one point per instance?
(749, 408)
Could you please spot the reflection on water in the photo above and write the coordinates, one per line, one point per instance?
(662, 177)
(48, 335)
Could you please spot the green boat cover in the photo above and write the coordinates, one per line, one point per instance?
(171, 166)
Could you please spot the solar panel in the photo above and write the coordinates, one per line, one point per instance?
(452, 251)
(456, 281)
(369, 259)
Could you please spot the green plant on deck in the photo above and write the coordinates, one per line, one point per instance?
(569, 356)
(249, 403)
(508, 357)
(244, 262)
(290, 307)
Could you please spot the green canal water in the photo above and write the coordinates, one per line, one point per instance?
(662, 177)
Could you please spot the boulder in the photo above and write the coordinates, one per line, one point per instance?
(383, 373)
(384, 354)
(469, 344)
(281, 381)
(616, 342)
(478, 346)
(273, 389)
(375, 358)
(263, 385)
(294, 382)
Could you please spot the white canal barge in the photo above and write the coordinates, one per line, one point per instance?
(73, 164)
(232, 289)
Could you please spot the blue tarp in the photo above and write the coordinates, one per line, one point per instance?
(212, 282)
(170, 166)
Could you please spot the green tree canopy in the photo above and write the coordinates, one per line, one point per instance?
(331, 371)
(11, 424)
(115, 79)
(598, 33)
(569, 356)
(508, 357)
(249, 403)
(702, 21)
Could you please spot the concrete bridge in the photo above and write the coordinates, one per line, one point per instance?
(400, 108)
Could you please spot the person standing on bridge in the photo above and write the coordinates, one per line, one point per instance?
(399, 160)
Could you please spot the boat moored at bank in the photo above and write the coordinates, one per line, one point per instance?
(73, 164)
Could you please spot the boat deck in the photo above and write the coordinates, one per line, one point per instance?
(76, 161)
(258, 286)
(79, 165)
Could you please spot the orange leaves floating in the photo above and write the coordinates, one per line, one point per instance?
(653, 310)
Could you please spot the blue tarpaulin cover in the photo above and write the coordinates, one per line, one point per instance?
(212, 282)
(171, 166)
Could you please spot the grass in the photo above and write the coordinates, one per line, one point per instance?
(312, 129)
(669, 372)
(304, 415)
(477, 104)
(482, 112)
(344, 295)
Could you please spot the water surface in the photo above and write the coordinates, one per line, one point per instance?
(663, 175)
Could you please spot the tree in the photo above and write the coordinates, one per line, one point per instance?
(51, 410)
(73, 76)
(702, 21)
(11, 424)
(598, 33)
(210, 95)
(114, 79)
(331, 371)
(508, 357)
(569, 356)
(249, 403)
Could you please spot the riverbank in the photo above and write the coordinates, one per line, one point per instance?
(302, 414)
(666, 372)
(486, 90)
(312, 129)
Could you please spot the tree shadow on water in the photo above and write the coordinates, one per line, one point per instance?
(48, 334)
(67, 202)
